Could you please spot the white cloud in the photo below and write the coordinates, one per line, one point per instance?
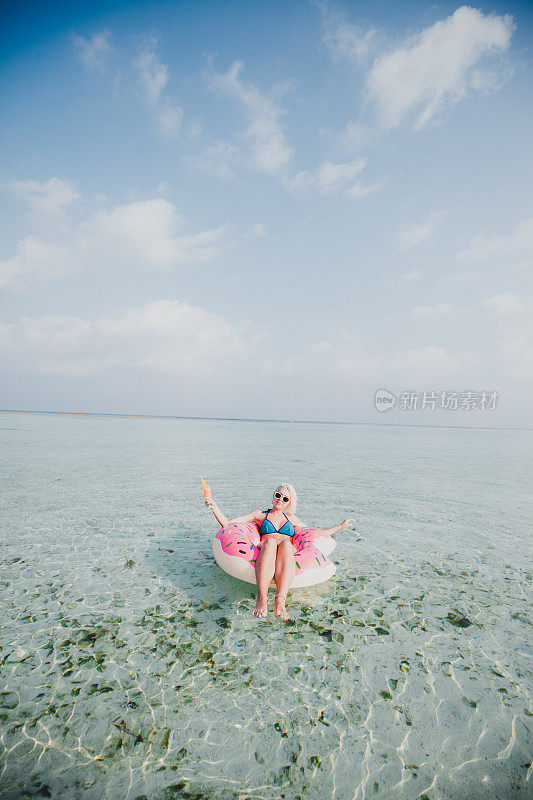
(165, 336)
(495, 254)
(94, 52)
(435, 68)
(150, 77)
(353, 138)
(270, 151)
(173, 338)
(51, 197)
(348, 357)
(169, 119)
(258, 230)
(417, 233)
(52, 331)
(330, 178)
(217, 159)
(144, 234)
(34, 260)
(359, 189)
(153, 77)
(506, 303)
(344, 40)
(163, 188)
(518, 244)
(351, 357)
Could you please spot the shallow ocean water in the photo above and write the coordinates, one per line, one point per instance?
(408, 675)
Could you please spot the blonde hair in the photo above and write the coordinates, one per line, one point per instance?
(287, 488)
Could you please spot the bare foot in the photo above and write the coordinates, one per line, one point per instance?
(261, 608)
(279, 607)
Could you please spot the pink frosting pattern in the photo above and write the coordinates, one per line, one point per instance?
(243, 540)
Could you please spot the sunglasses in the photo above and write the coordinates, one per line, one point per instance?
(279, 496)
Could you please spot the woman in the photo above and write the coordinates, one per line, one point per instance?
(276, 559)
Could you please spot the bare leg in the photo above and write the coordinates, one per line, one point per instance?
(284, 575)
(264, 572)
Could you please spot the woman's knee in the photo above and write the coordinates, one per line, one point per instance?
(286, 547)
(269, 545)
(285, 555)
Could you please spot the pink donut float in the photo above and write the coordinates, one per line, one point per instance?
(237, 546)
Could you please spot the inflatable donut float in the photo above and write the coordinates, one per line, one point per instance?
(236, 548)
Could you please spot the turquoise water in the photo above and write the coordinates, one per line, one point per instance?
(406, 676)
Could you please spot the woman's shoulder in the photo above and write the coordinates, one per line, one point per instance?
(256, 517)
(294, 519)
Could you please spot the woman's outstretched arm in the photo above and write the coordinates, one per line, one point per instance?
(221, 517)
(254, 516)
(299, 524)
(338, 527)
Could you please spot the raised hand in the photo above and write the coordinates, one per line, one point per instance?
(212, 505)
(345, 523)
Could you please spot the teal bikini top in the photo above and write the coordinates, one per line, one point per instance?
(268, 527)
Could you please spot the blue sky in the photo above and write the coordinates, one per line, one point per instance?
(267, 209)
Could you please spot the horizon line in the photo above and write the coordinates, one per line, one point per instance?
(253, 419)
